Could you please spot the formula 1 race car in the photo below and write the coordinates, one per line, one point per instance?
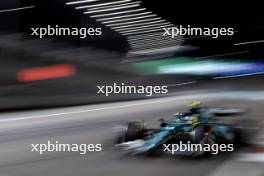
(188, 128)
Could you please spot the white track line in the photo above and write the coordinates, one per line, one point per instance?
(83, 111)
(259, 94)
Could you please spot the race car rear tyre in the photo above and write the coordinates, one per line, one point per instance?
(198, 134)
(203, 135)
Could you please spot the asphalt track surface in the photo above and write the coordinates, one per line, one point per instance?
(94, 124)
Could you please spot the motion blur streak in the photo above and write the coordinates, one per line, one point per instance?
(80, 2)
(46, 72)
(103, 4)
(224, 68)
(251, 42)
(16, 9)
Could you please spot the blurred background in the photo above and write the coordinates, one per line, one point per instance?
(62, 73)
(131, 49)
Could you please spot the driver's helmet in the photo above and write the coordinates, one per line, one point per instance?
(196, 107)
(195, 104)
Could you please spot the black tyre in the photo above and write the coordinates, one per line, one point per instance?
(199, 134)
(204, 135)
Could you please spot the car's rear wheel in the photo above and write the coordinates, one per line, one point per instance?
(203, 135)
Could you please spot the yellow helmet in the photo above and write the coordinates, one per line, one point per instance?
(195, 104)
